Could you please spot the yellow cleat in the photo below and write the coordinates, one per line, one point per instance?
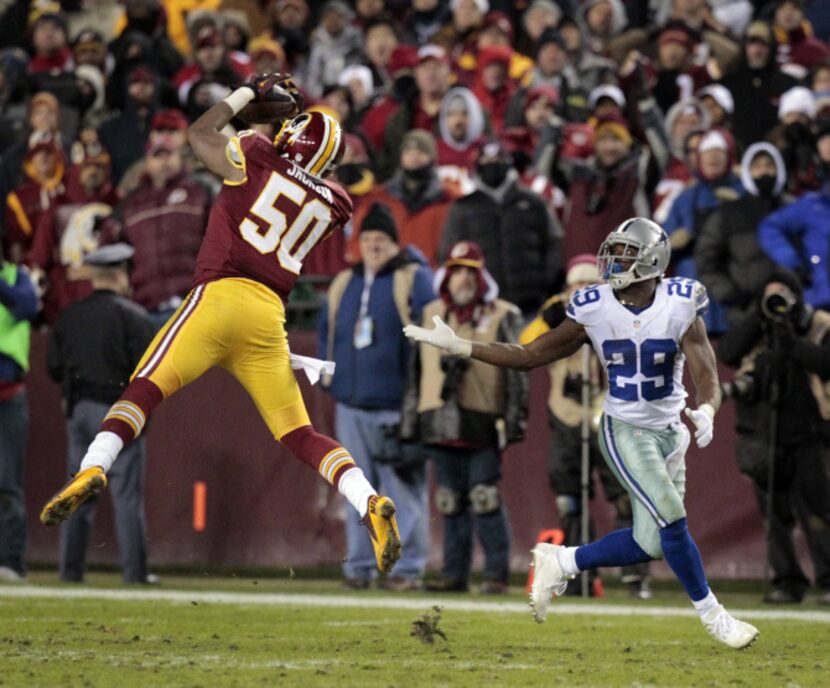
(84, 485)
(383, 529)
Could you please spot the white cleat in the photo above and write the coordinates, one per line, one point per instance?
(721, 625)
(548, 579)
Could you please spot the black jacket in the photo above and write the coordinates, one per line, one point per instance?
(756, 93)
(516, 236)
(730, 262)
(95, 346)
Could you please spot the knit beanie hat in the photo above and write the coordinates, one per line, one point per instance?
(379, 219)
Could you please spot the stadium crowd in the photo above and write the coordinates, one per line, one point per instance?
(529, 127)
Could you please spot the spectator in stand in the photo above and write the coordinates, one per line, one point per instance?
(427, 18)
(69, 229)
(90, 48)
(12, 114)
(553, 68)
(496, 32)
(615, 183)
(42, 121)
(685, 121)
(539, 15)
(699, 16)
(603, 20)
(147, 19)
(18, 306)
(164, 220)
(492, 86)
(91, 96)
(756, 85)
(464, 414)
(358, 79)
(236, 32)
(213, 71)
(361, 330)
(125, 135)
(44, 168)
(677, 77)
(716, 184)
(795, 237)
(460, 34)
(415, 195)
(267, 56)
(592, 69)
(719, 103)
(93, 349)
(380, 41)
(368, 11)
(420, 110)
(50, 44)
(819, 82)
(335, 44)
(798, 49)
(795, 139)
(462, 123)
(287, 25)
(730, 262)
(512, 226)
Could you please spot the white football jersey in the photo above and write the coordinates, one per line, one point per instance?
(641, 351)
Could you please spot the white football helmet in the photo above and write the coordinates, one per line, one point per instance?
(651, 259)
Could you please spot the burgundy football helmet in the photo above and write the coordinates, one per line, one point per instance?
(313, 141)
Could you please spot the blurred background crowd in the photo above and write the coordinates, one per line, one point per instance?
(529, 128)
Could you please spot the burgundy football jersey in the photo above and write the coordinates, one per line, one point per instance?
(263, 227)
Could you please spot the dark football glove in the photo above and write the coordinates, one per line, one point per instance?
(263, 88)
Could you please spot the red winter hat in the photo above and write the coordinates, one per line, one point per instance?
(549, 93)
(467, 254)
(494, 53)
(171, 119)
(403, 58)
(500, 21)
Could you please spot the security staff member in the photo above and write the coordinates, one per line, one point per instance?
(95, 345)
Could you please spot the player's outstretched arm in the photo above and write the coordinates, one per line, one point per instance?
(559, 342)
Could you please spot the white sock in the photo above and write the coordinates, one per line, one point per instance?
(567, 560)
(103, 451)
(706, 604)
(354, 487)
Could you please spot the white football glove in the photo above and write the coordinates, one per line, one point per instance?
(440, 336)
(703, 418)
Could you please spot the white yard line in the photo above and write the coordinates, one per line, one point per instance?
(417, 603)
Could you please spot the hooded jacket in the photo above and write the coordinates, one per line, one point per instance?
(798, 238)
(459, 153)
(730, 261)
(460, 402)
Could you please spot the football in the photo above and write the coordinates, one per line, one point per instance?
(279, 104)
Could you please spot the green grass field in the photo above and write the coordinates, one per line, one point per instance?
(296, 632)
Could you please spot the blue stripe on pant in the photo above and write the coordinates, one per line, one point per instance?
(361, 433)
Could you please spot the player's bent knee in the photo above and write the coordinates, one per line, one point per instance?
(485, 499)
(448, 502)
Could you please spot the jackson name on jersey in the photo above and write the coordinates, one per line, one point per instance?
(640, 349)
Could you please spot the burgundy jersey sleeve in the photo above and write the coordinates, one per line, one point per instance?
(263, 227)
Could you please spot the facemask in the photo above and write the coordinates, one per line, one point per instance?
(493, 173)
(765, 184)
(418, 174)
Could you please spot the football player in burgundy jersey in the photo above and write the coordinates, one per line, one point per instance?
(274, 207)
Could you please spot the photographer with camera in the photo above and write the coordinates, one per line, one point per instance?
(360, 330)
(464, 413)
(782, 351)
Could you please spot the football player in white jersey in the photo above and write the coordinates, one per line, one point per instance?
(643, 327)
